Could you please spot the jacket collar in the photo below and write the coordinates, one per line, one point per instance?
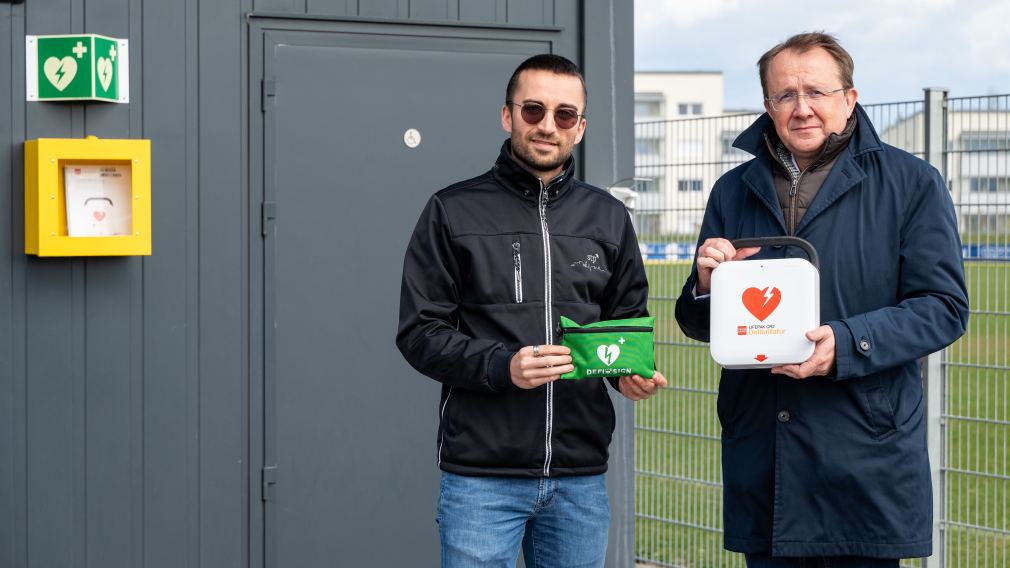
(864, 138)
(845, 174)
(785, 161)
(517, 179)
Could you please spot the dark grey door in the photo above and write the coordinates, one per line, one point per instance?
(350, 427)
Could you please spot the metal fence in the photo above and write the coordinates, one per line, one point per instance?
(678, 472)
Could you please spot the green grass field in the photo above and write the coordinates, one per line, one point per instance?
(678, 492)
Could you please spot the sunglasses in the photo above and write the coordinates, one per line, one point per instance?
(533, 113)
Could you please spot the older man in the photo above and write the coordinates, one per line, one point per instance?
(825, 462)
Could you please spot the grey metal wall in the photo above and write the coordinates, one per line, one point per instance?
(125, 382)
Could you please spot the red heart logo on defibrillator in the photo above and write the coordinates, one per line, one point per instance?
(761, 302)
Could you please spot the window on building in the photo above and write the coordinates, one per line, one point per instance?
(988, 184)
(690, 150)
(648, 146)
(689, 185)
(727, 139)
(647, 225)
(985, 224)
(985, 141)
(648, 106)
(650, 185)
(689, 109)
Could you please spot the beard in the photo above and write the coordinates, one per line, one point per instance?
(525, 154)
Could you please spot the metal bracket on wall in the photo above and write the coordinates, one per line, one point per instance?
(269, 211)
(269, 479)
(268, 89)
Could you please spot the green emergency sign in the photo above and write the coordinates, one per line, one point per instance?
(85, 67)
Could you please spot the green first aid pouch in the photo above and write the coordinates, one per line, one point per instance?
(610, 348)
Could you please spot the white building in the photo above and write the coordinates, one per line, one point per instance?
(978, 163)
(666, 95)
(680, 161)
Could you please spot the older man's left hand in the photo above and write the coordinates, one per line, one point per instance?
(822, 360)
(637, 387)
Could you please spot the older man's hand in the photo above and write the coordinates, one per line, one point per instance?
(711, 254)
(822, 360)
(636, 387)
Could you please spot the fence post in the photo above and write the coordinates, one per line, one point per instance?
(935, 135)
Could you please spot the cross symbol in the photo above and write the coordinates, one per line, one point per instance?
(79, 50)
(621, 341)
(112, 52)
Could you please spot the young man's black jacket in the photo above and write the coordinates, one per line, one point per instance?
(474, 292)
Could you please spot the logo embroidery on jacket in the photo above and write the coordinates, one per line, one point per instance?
(591, 262)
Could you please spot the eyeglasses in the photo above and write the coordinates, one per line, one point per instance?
(533, 113)
(789, 99)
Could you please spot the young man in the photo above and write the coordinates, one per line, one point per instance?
(493, 263)
(825, 462)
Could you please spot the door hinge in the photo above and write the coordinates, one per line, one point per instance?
(269, 479)
(269, 212)
(268, 88)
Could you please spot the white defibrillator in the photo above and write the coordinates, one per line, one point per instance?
(761, 310)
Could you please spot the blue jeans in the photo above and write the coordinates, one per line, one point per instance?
(760, 561)
(562, 522)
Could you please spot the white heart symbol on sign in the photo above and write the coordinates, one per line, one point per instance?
(60, 72)
(104, 72)
(608, 353)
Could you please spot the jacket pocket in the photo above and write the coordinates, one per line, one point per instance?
(448, 411)
(517, 270)
(725, 408)
(878, 409)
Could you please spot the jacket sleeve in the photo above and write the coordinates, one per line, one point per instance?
(932, 307)
(428, 334)
(693, 314)
(627, 292)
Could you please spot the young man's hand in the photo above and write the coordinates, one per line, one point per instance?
(537, 365)
(636, 387)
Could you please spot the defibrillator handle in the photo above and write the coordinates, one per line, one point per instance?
(781, 241)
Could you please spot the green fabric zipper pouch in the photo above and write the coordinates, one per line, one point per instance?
(610, 348)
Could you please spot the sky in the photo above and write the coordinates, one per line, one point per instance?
(898, 46)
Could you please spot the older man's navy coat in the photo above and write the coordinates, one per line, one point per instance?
(837, 465)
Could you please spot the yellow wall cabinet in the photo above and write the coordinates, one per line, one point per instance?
(87, 197)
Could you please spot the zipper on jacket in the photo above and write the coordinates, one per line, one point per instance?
(789, 163)
(792, 203)
(441, 426)
(548, 318)
(617, 329)
(517, 266)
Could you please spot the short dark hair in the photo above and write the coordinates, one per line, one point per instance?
(802, 43)
(547, 62)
